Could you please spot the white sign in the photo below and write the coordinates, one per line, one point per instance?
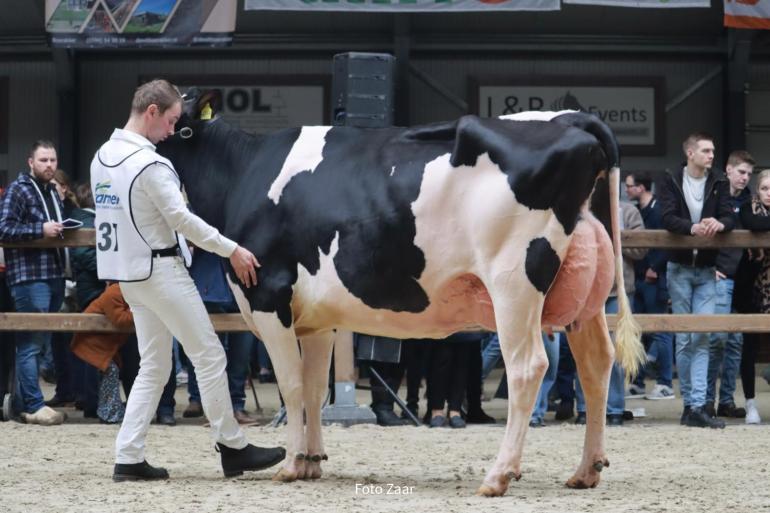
(260, 109)
(630, 111)
(402, 5)
(644, 3)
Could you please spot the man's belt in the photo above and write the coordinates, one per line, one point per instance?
(166, 252)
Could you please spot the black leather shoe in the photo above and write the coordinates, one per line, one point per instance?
(479, 417)
(165, 419)
(564, 411)
(388, 418)
(615, 419)
(685, 415)
(138, 472)
(730, 410)
(412, 408)
(709, 409)
(700, 418)
(581, 418)
(60, 402)
(251, 458)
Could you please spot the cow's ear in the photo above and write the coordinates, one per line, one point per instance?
(208, 104)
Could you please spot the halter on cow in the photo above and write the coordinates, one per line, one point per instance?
(420, 233)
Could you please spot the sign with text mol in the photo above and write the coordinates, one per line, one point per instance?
(632, 109)
(260, 104)
(402, 5)
(138, 23)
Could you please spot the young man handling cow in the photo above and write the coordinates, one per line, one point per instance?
(141, 222)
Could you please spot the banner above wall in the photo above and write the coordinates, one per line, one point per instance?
(402, 5)
(139, 23)
(747, 14)
(643, 3)
(452, 5)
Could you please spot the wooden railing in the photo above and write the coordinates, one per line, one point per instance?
(747, 323)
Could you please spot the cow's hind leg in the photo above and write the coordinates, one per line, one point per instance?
(316, 359)
(282, 345)
(593, 352)
(521, 342)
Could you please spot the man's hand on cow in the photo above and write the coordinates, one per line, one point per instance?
(245, 265)
(52, 229)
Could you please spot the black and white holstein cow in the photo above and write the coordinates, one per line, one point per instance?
(420, 233)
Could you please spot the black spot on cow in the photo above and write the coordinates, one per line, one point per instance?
(541, 264)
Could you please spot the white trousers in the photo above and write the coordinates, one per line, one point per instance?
(166, 305)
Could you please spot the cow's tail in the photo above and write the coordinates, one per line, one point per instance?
(629, 351)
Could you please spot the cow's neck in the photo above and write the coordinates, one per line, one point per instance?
(215, 167)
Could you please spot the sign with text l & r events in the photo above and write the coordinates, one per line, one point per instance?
(632, 109)
(137, 23)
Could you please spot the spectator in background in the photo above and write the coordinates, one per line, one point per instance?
(726, 348)
(694, 201)
(651, 294)
(31, 209)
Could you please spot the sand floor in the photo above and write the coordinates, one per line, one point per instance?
(656, 466)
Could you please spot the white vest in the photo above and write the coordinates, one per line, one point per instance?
(122, 254)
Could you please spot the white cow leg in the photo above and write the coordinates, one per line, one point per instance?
(316, 360)
(593, 352)
(518, 326)
(282, 345)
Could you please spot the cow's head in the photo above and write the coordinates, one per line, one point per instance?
(199, 111)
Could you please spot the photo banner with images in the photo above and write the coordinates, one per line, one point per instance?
(662, 4)
(747, 14)
(402, 5)
(139, 23)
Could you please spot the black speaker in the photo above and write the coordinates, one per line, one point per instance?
(362, 89)
(378, 349)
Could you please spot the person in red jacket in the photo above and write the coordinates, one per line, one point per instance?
(101, 350)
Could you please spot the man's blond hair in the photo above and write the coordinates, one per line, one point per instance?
(159, 92)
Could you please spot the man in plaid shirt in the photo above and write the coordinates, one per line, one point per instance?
(31, 209)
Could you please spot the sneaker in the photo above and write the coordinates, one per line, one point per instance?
(634, 391)
(660, 393)
(700, 418)
(752, 415)
(45, 416)
(730, 410)
(181, 378)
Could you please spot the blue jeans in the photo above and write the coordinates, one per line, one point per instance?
(616, 400)
(725, 351)
(490, 355)
(238, 347)
(652, 298)
(552, 351)
(33, 297)
(693, 291)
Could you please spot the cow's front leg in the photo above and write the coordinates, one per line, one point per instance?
(282, 345)
(593, 352)
(316, 359)
(521, 342)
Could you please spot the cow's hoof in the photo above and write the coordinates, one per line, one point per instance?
(490, 491)
(582, 483)
(313, 471)
(286, 476)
